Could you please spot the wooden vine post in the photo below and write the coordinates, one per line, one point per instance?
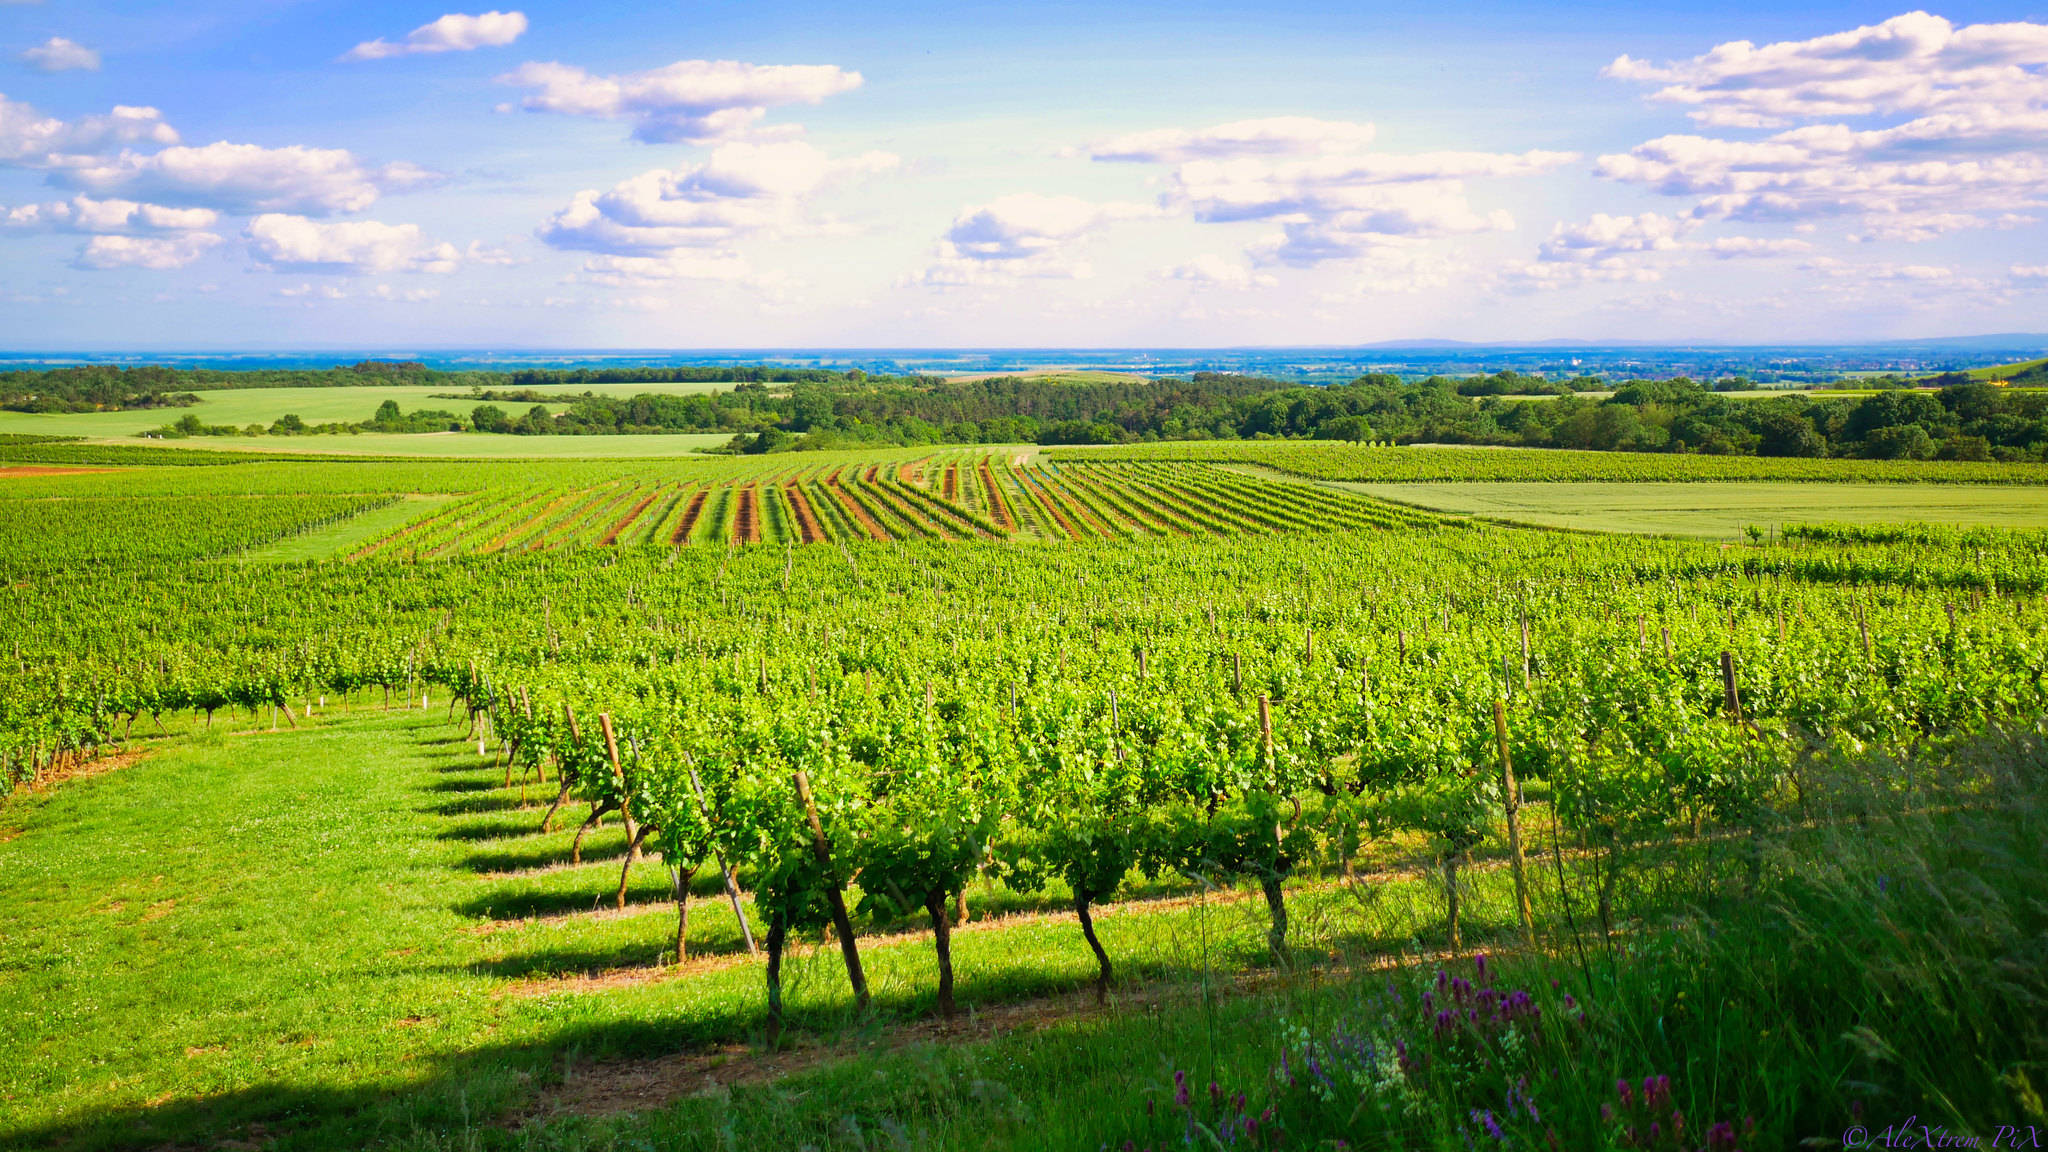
(1269, 883)
(732, 888)
(611, 750)
(1511, 800)
(841, 923)
(1266, 729)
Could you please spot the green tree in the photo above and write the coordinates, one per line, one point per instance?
(1899, 442)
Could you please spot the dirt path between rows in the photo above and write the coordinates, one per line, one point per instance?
(24, 470)
(615, 1087)
(746, 522)
(859, 514)
(806, 522)
(998, 505)
(612, 537)
(632, 1085)
(82, 769)
(689, 521)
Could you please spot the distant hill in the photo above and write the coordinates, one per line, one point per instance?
(2027, 373)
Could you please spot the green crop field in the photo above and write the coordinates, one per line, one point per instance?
(1261, 795)
(240, 407)
(2008, 371)
(1720, 509)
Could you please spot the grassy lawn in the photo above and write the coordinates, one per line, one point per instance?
(429, 445)
(1720, 509)
(351, 936)
(351, 930)
(339, 539)
(244, 406)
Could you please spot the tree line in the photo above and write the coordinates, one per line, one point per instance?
(1951, 416)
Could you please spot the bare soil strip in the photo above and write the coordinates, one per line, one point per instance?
(8, 470)
(611, 1088)
(689, 521)
(999, 508)
(1036, 489)
(529, 524)
(746, 523)
(612, 537)
(80, 769)
(806, 521)
(859, 514)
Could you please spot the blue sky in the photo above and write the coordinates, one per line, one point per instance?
(318, 174)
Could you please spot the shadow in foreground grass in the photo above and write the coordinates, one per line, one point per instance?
(473, 1092)
(504, 827)
(473, 804)
(463, 786)
(610, 851)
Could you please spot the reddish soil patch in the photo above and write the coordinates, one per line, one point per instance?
(998, 507)
(806, 521)
(7, 470)
(910, 510)
(859, 514)
(746, 522)
(629, 1086)
(513, 533)
(952, 485)
(689, 521)
(613, 1088)
(612, 537)
(393, 540)
(80, 769)
(1037, 489)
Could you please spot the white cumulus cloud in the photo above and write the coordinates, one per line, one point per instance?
(85, 214)
(157, 253)
(693, 101)
(1966, 146)
(1604, 236)
(60, 55)
(454, 32)
(248, 178)
(1022, 235)
(131, 152)
(1331, 197)
(644, 271)
(1914, 63)
(743, 189)
(1272, 136)
(1738, 247)
(297, 243)
(1212, 271)
(29, 139)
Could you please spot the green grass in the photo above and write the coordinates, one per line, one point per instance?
(339, 539)
(465, 445)
(2008, 371)
(328, 930)
(244, 406)
(340, 937)
(1444, 463)
(1720, 510)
